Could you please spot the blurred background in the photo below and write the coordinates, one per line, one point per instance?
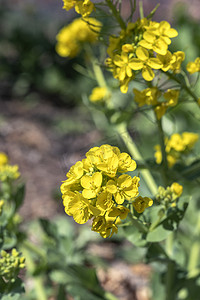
(44, 127)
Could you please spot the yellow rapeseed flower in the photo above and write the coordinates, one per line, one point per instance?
(3, 159)
(193, 67)
(70, 38)
(83, 7)
(145, 63)
(97, 188)
(99, 94)
(148, 96)
(176, 146)
(141, 203)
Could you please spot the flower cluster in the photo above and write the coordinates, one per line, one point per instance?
(99, 94)
(82, 7)
(170, 195)
(10, 264)
(176, 146)
(150, 96)
(7, 172)
(97, 188)
(142, 47)
(71, 38)
(194, 66)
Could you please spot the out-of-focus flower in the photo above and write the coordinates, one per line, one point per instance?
(193, 67)
(177, 146)
(71, 38)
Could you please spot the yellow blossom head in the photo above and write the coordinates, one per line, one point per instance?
(3, 159)
(70, 38)
(97, 188)
(98, 94)
(83, 7)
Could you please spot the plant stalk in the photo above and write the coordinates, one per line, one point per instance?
(164, 163)
(116, 14)
(131, 146)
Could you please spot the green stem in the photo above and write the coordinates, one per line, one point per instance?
(164, 164)
(116, 14)
(184, 86)
(38, 281)
(170, 277)
(193, 262)
(170, 268)
(141, 10)
(131, 146)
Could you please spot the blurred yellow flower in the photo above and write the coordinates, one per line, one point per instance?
(193, 67)
(176, 146)
(99, 94)
(71, 38)
(3, 159)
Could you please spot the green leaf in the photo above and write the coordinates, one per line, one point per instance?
(135, 236)
(19, 195)
(49, 228)
(80, 293)
(158, 234)
(15, 290)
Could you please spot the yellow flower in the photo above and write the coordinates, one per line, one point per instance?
(108, 161)
(106, 228)
(179, 57)
(70, 38)
(91, 185)
(126, 163)
(8, 172)
(177, 189)
(83, 7)
(148, 96)
(75, 173)
(119, 211)
(145, 63)
(150, 42)
(141, 203)
(80, 208)
(104, 201)
(193, 67)
(98, 94)
(189, 139)
(3, 159)
(167, 60)
(172, 99)
(176, 146)
(124, 188)
(94, 189)
(123, 66)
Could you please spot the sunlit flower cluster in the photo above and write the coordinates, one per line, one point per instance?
(82, 7)
(97, 188)
(99, 94)
(177, 146)
(7, 172)
(71, 38)
(194, 66)
(152, 96)
(142, 47)
(10, 264)
(169, 196)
